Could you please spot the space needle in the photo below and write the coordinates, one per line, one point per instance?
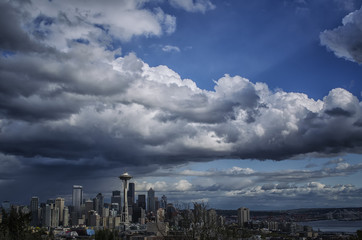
(125, 177)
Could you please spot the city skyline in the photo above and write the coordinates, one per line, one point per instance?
(232, 103)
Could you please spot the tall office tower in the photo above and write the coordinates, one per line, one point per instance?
(47, 215)
(163, 203)
(77, 198)
(151, 200)
(55, 216)
(65, 217)
(243, 216)
(131, 198)
(116, 198)
(34, 209)
(125, 177)
(141, 201)
(131, 193)
(59, 203)
(98, 203)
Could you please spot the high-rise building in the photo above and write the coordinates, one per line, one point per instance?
(34, 209)
(131, 193)
(55, 216)
(151, 200)
(47, 215)
(98, 203)
(163, 203)
(243, 216)
(141, 201)
(77, 198)
(59, 203)
(65, 217)
(116, 198)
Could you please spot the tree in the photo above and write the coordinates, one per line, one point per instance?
(15, 225)
(359, 234)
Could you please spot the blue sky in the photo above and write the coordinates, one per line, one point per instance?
(235, 103)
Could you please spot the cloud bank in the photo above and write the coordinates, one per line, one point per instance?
(260, 189)
(75, 98)
(73, 106)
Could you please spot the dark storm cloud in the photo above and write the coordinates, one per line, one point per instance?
(12, 36)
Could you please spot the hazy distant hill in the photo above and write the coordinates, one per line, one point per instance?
(305, 214)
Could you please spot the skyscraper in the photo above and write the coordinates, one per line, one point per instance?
(47, 215)
(243, 216)
(98, 203)
(116, 198)
(141, 201)
(151, 200)
(131, 193)
(66, 217)
(59, 203)
(77, 198)
(34, 209)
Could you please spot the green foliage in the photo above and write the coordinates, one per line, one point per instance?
(359, 234)
(15, 225)
(106, 234)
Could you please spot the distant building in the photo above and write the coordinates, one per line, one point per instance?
(157, 204)
(163, 202)
(98, 203)
(59, 203)
(139, 215)
(116, 198)
(47, 215)
(243, 216)
(131, 193)
(65, 217)
(141, 201)
(34, 209)
(151, 207)
(94, 219)
(77, 199)
(211, 219)
(171, 212)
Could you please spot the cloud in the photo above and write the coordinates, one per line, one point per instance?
(193, 5)
(56, 24)
(170, 48)
(72, 106)
(313, 194)
(124, 107)
(345, 41)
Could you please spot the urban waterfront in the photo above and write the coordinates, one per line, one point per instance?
(154, 217)
(334, 225)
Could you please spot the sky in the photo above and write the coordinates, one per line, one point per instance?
(232, 103)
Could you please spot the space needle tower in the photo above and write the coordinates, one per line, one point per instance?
(125, 177)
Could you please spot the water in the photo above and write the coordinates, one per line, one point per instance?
(334, 225)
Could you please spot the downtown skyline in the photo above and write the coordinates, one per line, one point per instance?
(233, 103)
